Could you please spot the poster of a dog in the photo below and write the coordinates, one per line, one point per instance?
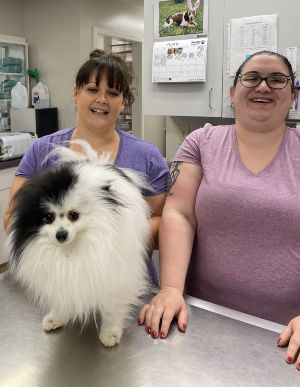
(181, 17)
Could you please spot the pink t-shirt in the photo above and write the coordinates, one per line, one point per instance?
(246, 254)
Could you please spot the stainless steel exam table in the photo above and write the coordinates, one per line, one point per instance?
(221, 347)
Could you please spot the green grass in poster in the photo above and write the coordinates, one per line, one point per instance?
(167, 8)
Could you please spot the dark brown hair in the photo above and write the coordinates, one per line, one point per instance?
(265, 52)
(117, 73)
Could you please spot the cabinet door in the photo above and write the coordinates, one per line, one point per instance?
(198, 99)
(13, 69)
(287, 24)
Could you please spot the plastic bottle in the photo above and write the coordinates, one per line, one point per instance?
(4, 121)
(40, 96)
(19, 96)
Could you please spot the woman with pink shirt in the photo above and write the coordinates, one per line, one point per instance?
(230, 229)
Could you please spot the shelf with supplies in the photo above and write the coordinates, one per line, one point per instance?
(13, 69)
(12, 74)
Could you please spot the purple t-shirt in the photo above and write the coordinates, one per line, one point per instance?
(246, 254)
(133, 153)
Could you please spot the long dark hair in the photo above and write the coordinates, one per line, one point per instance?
(117, 73)
(265, 52)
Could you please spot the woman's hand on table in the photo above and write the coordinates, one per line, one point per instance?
(166, 305)
(291, 336)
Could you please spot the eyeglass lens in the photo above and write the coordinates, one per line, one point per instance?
(273, 81)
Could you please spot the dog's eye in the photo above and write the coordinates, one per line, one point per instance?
(73, 216)
(106, 187)
(49, 218)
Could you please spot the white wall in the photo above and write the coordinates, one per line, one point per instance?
(111, 15)
(155, 131)
(12, 17)
(52, 29)
(59, 33)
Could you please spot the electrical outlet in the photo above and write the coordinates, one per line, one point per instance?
(182, 132)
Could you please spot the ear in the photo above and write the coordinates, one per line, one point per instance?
(75, 95)
(123, 106)
(197, 4)
(294, 97)
(189, 4)
(232, 90)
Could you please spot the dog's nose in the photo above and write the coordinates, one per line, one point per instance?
(62, 236)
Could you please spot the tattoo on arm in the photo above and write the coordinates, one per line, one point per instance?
(173, 174)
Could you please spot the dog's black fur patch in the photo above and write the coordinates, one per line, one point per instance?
(29, 202)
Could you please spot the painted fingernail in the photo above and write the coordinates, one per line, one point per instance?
(162, 335)
(278, 341)
(148, 329)
(298, 366)
(140, 322)
(154, 334)
(182, 328)
(289, 360)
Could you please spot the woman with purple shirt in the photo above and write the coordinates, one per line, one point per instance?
(102, 88)
(230, 229)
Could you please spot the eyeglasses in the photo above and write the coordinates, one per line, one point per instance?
(277, 81)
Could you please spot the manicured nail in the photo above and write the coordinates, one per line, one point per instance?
(148, 329)
(182, 328)
(298, 366)
(278, 341)
(162, 335)
(154, 334)
(289, 360)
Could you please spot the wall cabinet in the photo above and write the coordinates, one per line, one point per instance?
(13, 69)
(194, 99)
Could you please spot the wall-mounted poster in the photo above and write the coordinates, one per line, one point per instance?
(176, 18)
(178, 61)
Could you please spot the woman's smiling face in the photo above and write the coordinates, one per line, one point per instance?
(98, 107)
(261, 105)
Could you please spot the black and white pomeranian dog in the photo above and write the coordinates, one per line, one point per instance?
(78, 240)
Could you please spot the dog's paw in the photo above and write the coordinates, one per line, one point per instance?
(110, 336)
(50, 323)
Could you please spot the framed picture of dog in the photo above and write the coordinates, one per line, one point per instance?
(181, 17)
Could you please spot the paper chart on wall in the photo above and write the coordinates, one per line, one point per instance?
(293, 55)
(249, 35)
(179, 61)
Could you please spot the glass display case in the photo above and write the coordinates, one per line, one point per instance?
(13, 69)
